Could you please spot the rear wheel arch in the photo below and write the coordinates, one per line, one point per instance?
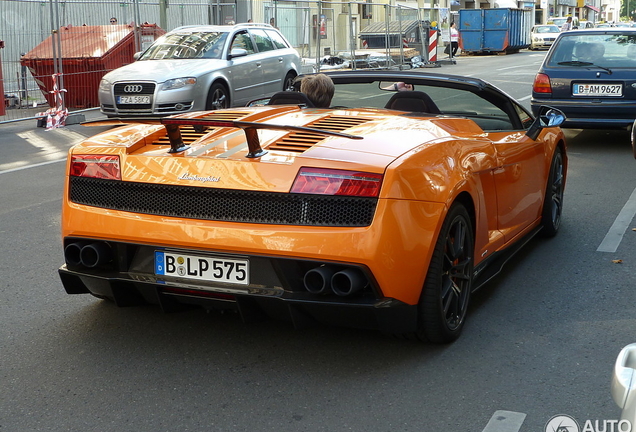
(467, 201)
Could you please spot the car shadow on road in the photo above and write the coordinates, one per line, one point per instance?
(605, 139)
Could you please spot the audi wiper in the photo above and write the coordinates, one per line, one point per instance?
(584, 64)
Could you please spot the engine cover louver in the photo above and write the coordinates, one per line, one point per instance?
(189, 134)
(300, 141)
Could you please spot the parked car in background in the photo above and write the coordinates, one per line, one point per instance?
(384, 212)
(591, 76)
(586, 24)
(559, 21)
(542, 36)
(196, 68)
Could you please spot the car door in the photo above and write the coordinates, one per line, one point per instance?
(245, 72)
(520, 176)
(271, 60)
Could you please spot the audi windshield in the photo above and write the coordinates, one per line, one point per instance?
(187, 45)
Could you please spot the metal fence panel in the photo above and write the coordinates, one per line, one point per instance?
(327, 34)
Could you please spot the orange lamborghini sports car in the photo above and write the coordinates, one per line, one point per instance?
(385, 211)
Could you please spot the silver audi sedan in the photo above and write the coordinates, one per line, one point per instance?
(197, 68)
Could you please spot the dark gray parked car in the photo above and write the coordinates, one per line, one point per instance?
(197, 68)
(590, 75)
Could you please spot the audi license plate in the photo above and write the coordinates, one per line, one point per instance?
(133, 100)
(598, 90)
(202, 267)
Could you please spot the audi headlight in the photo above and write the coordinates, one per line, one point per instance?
(104, 85)
(177, 83)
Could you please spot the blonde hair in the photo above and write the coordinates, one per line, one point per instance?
(319, 89)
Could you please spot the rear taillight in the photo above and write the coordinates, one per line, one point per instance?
(541, 84)
(96, 166)
(325, 181)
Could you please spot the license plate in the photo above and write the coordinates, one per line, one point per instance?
(203, 268)
(598, 90)
(133, 100)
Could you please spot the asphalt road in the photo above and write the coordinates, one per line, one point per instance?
(541, 338)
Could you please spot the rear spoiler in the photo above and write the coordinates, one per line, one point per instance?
(250, 128)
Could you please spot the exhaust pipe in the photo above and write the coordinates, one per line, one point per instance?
(72, 253)
(318, 280)
(347, 282)
(95, 254)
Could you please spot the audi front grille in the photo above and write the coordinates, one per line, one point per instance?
(135, 89)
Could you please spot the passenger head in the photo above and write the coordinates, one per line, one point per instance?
(319, 89)
(582, 51)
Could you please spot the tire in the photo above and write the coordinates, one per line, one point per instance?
(288, 82)
(218, 97)
(553, 201)
(447, 288)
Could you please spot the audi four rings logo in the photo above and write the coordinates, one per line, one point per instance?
(133, 88)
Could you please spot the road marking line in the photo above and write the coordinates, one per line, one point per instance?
(31, 166)
(505, 421)
(616, 232)
(46, 148)
(75, 136)
(524, 98)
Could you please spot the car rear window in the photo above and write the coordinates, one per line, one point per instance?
(263, 42)
(608, 50)
(278, 40)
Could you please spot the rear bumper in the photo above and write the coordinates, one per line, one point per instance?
(388, 316)
(581, 115)
(276, 290)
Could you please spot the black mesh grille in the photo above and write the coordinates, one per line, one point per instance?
(223, 204)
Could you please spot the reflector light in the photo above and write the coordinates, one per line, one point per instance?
(323, 181)
(542, 84)
(96, 166)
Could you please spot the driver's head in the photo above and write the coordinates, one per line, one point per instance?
(319, 89)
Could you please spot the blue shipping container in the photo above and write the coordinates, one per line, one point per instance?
(494, 30)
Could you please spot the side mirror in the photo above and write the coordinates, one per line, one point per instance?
(548, 117)
(238, 52)
(137, 55)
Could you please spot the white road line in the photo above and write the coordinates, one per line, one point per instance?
(47, 149)
(75, 136)
(525, 98)
(505, 421)
(31, 166)
(616, 232)
(512, 67)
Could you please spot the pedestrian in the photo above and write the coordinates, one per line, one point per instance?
(113, 21)
(567, 25)
(454, 39)
(319, 89)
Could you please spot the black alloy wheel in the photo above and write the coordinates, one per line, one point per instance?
(448, 284)
(553, 203)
